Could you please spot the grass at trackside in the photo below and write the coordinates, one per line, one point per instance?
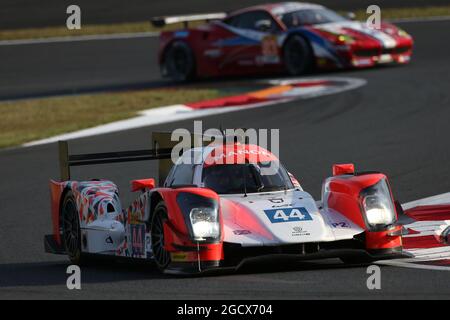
(28, 120)
(145, 26)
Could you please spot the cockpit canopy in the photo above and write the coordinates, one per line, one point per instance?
(230, 169)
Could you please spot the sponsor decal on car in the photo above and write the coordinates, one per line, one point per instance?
(340, 225)
(288, 215)
(299, 231)
(137, 240)
(241, 232)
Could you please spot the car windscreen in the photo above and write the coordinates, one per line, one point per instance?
(244, 178)
(310, 17)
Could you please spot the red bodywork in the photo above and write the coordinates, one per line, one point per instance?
(217, 55)
(344, 197)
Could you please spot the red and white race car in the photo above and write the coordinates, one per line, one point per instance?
(220, 210)
(289, 37)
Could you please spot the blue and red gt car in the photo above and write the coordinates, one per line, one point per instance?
(288, 37)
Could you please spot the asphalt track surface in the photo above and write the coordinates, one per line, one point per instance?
(398, 123)
(30, 13)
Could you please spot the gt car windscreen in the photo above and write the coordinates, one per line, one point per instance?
(244, 178)
(310, 17)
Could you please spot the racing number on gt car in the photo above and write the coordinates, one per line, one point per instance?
(269, 46)
(270, 49)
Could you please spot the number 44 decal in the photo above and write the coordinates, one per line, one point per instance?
(288, 215)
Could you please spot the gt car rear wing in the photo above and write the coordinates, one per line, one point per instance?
(162, 21)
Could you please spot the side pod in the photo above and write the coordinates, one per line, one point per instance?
(366, 199)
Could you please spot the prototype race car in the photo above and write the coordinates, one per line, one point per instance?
(289, 37)
(221, 210)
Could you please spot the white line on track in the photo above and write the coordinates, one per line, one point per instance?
(94, 37)
(438, 199)
(399, 263)
(421, 255)
(118, 36)
(174, 113)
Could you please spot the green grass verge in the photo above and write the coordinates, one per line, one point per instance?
(62, 31)
(27, 120)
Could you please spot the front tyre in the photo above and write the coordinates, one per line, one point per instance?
(71, 231)
(160, 254)
(179, 62)
(297, 56)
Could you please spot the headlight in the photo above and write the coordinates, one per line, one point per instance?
(377, 205)
(403, 33)
(343, 38)
(201, 215)
(205, 223)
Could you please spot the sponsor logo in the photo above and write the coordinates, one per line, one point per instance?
(179, 256)
(298, 231)
(137, 240)
(109, 240)
(288, 215)
(276, 200)
(340, 225)
(241, 232)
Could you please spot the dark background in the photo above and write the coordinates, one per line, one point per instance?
(40, 13)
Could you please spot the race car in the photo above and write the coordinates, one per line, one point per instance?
(290, 38)
(221, 206)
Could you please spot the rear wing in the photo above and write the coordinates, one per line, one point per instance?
(163, 21)
(162, 149)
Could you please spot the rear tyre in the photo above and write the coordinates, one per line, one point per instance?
(297, 56)
(71, 231)
(179, 62)
(160, 254)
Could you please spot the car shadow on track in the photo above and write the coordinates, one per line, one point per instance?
(54, 273)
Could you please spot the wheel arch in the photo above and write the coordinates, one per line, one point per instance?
(305, 37)
(169, 44)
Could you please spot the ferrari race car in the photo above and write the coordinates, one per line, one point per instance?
(220, 211)
(288, 37)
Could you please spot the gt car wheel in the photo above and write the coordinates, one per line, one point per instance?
(71, 229)
(179, 62)
(297, 56)
(160, 254)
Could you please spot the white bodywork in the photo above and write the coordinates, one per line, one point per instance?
(281, 217)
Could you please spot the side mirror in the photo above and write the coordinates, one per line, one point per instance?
(350, 15)
(263, 25)
(345, 168)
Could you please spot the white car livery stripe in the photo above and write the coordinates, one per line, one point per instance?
(337, 27)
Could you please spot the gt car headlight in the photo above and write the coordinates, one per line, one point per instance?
(377, 205)
(343, 38)
(201, 216)
(205, 223)
(403, 33)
